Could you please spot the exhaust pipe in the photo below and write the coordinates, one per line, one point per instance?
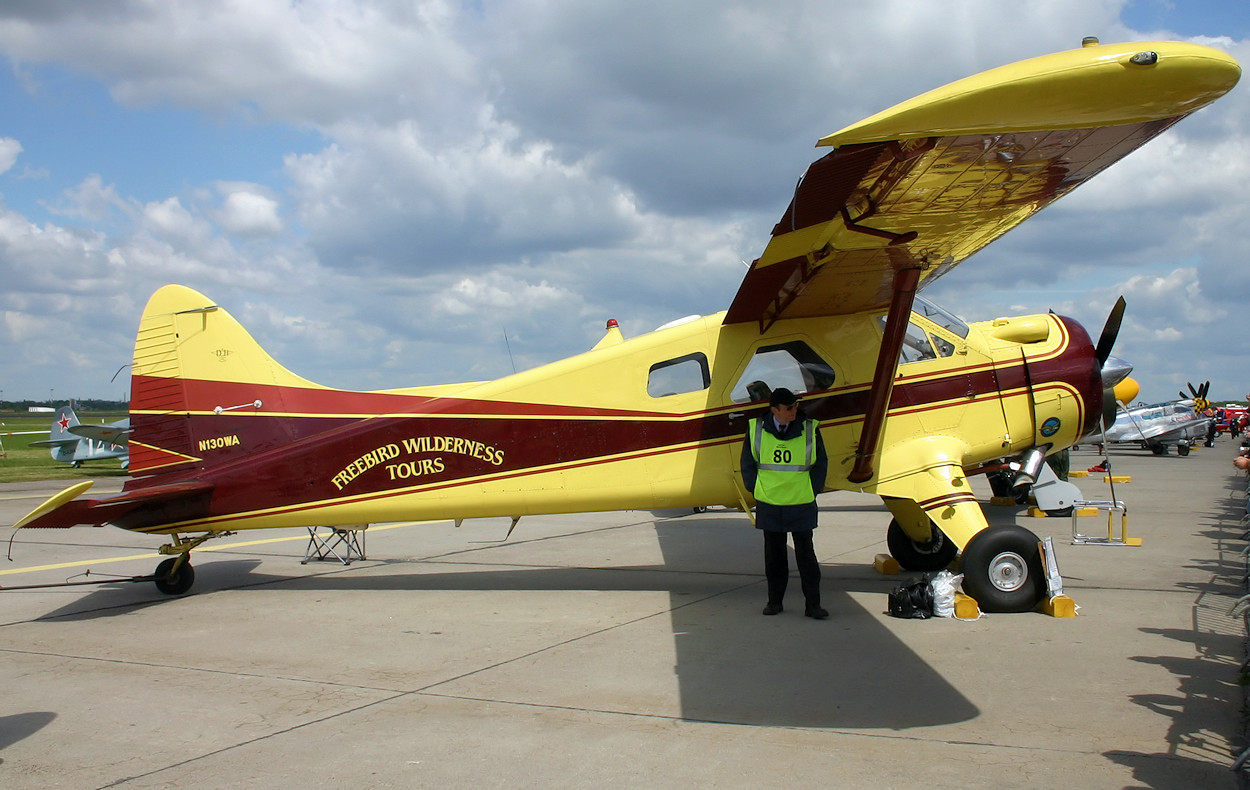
(1028, 467)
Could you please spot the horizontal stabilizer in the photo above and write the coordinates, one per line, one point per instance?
(109, 434)
(143, 496)
(63, 510)
(54, 503)
(70, 442)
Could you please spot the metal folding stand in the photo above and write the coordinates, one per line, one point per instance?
(1111, 506)
(344, 544)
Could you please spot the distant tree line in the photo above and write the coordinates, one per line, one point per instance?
(85, 405)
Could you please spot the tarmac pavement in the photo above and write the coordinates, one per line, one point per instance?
(626, 649)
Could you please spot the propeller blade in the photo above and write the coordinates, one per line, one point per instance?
(1109, 332)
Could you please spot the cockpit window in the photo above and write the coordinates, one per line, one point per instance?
(940, 317)
(919, 344)
(792, 365)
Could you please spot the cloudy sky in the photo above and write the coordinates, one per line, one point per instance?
(406, 192)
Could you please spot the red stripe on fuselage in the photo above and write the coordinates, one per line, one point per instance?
(296, 461)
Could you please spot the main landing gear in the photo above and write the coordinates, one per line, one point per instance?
(1002, 568)
(913, 555)
(1002, 565)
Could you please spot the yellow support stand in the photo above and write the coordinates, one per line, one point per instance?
(1078, 473)
(1118, 479)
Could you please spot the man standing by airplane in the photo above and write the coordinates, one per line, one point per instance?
(784, 465)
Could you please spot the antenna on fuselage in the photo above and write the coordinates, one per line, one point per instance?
(508, 346)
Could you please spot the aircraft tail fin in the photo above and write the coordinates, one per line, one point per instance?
(203, 391)
(60, 436)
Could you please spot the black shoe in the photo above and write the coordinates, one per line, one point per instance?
(817, 613)
(772, 608)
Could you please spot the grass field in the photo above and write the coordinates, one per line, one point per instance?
(19, 461)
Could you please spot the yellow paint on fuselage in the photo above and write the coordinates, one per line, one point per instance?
(609, 383)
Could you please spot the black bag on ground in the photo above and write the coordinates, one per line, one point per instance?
(913, 600)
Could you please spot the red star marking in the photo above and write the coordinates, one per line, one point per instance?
(63, 422)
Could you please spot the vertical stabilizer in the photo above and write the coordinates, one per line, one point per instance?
(200, 385)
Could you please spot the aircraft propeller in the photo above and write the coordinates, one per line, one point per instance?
(1114, 373)
(1199, 396)
(1109, 332)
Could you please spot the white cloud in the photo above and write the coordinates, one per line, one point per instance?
(547, 164)
(249, 213)
(9, 149)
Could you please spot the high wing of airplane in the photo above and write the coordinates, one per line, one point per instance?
(72, 442)
(911, 400)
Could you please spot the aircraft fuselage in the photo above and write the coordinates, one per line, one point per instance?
(652, 422)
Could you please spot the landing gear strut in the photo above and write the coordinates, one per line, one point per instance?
(175, 575)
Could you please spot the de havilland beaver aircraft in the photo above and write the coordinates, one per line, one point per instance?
(910, 399)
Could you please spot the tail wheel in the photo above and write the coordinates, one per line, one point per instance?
(1002, 568)
(932, 555)
(173, 581)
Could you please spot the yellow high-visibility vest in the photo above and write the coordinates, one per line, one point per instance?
(783, 465)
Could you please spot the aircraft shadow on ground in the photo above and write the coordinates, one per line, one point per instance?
(1208, 685)
(22, 725)
(733, 665)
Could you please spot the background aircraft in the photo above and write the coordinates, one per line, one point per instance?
(911, 400)
(72, 442)
(1158, 426)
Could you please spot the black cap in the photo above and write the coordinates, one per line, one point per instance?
(782, 397)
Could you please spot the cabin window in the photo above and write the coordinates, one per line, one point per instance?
(916, 346)
(919, 345)
(792, 365)
(944, 347)
(676, 376)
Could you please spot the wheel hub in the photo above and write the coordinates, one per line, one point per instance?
(932, 546)
(1008, 571)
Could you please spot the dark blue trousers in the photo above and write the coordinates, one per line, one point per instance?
(777, 565)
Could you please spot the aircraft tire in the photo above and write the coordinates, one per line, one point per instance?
(174, 583)
(1183, 450)
(1002, 569)
(933, 555)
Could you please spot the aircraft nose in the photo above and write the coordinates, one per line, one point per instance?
(1114, 371)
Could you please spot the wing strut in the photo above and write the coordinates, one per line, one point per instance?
(904, 295)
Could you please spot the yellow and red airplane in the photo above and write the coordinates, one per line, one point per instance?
(910, 399)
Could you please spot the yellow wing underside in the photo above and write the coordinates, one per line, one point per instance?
(931, 181)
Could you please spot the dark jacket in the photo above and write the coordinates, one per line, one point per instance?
(788, 518)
